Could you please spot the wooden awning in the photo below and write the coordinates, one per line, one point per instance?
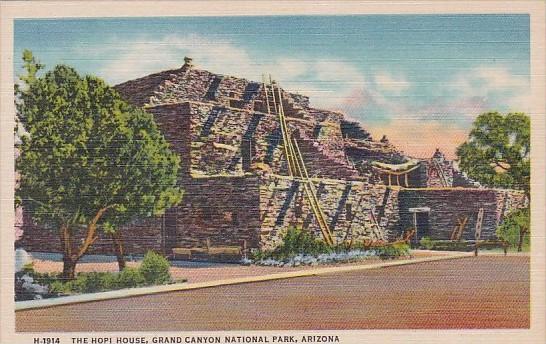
(396, 169)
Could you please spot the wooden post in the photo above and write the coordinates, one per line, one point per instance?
(406, 179)
(398, 180)
(478, 230)
(415, 225)
(244, 248)
(389, 178)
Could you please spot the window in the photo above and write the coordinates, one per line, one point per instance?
(349, 211)
(235, 219)
(207, 213)
(228, 216)
(298, 207)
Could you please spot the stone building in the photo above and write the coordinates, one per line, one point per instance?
(237, 187)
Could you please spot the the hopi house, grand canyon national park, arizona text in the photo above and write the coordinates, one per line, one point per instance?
(256, 159)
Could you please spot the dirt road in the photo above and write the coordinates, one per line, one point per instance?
(477, 292)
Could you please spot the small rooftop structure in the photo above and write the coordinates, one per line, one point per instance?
(188, 62)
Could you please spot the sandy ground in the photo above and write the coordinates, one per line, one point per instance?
(193, 272)
(469, 293)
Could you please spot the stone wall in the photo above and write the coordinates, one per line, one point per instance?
(434, 171)
(174, 122)
(228, 141)
(223, 137)
(507, 201)
(364, 151)
(447, 205)
(139, 237)
(224, 210)
(190, 84)
(259, 208)
(182, 85)
(354, 210)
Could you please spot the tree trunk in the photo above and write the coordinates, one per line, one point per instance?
(521, 236)
(71, 259)
(117, 241)
(69, 268)
(69, 262)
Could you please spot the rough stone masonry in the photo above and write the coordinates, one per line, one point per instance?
(237, 186)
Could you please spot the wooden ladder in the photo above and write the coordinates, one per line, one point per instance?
(294, 158)
(441, 174)
(459, 228)
(479, 222)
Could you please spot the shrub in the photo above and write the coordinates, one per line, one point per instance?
(155, 268)
(426, 243)
(110, 281)
(87, 282)
(58, 287)
(298, 241)
(92, 282)
(397, 249)
(129, 278)
(295, 241)
(517, 221)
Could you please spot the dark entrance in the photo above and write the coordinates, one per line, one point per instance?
(169, 230)
(420, 222)
(423, 225)
(247, 151)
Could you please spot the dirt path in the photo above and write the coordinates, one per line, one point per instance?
(195, 272)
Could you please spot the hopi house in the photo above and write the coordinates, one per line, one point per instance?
(237, 187)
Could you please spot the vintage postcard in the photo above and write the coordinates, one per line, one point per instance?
(273, 172)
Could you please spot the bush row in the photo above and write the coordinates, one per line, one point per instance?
(445, 245)
(154, 270)
(297, 241)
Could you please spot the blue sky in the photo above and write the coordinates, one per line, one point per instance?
(420, 80)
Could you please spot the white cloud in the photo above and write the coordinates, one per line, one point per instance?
(145, 56)
(496, 86)
(499, 78)
(328, 83)
(387, 82)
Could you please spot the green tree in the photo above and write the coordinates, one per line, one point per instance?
(88, 160)
(515, 227)
(497, 151)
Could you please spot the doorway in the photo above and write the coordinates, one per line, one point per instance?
(421, 222)
(423, 225)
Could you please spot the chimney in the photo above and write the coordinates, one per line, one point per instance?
(188, 63)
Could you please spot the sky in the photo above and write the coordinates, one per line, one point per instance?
(419, 79)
